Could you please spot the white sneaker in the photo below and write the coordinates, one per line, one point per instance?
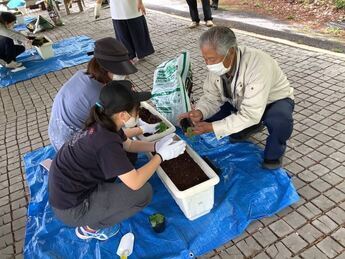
(193, 25)
(13, 64)
(209, 23)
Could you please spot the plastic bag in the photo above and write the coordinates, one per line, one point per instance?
(172, 86)
(39, 24)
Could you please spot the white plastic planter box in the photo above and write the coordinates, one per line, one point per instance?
(197, 200)
(171, 128)
(46, 50)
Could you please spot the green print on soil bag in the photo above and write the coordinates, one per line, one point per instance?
(169, 93)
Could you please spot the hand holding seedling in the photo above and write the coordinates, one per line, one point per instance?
(148, 128)
(202, 127)
(194, 115)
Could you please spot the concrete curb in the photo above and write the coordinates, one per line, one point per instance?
(316, 45)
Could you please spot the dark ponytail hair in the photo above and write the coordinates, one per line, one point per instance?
(6, 17)
(103, 117)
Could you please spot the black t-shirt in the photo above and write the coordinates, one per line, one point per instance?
(90, 158)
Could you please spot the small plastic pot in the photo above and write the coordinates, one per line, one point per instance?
(157, 222)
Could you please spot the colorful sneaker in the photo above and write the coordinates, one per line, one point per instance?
(101, 234)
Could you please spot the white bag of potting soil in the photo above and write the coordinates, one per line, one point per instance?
(172, 85)
(39, 24)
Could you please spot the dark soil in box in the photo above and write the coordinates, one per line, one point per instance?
(148, 117)
(184, 172)
(38, 42)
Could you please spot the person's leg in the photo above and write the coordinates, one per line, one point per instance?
(8, 51)
(140, 37)
(18, 49)
(97, 9)
(279, 122)
(214, 4)
(193, 10)
(106, 206)
(227, 109)
(122, 34)
(207, 10)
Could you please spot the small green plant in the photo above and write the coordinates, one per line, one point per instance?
(258, 5)
(157, 222)
(339, 4)
(334, 30)
(290, 17)
(162, 127)
(337, 50)
(189, 132)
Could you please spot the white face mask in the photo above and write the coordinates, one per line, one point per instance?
(119, 77)
(131, 123)
(219, 68)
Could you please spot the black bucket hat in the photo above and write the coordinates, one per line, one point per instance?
(113, 56)
(117, 95)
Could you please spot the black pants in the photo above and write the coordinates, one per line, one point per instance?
(278, 120)
(8, 50)
(134, 34)
(193, 10)
(106, 206)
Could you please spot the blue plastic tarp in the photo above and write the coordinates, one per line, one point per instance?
(22, 27)
(246, 192)
(13, 4)
(67, 53)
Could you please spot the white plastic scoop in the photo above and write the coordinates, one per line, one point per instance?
(125, 248)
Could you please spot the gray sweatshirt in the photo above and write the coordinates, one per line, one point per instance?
(4, 31)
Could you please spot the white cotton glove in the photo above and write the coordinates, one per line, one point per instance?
(147, 128)
(167, 149)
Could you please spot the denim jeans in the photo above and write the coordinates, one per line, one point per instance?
(278, 120)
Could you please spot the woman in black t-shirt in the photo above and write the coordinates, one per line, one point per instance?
(82, 188)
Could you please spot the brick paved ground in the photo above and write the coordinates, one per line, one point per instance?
(312, 228)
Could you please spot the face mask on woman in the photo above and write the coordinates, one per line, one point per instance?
(219, 68)
(119, 77)
(132, 122)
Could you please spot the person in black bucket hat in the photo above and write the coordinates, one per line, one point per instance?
(74, 100)
(113, 56)
(83, 190)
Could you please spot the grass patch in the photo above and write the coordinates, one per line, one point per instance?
(334, 31)
(339, 4)
(290, 17)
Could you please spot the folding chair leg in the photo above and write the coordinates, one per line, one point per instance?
(66, 2)
(80, 6)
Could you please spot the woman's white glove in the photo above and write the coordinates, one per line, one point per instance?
(147, 128)
(168, 149)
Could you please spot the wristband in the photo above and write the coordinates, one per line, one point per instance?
(160, 157)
